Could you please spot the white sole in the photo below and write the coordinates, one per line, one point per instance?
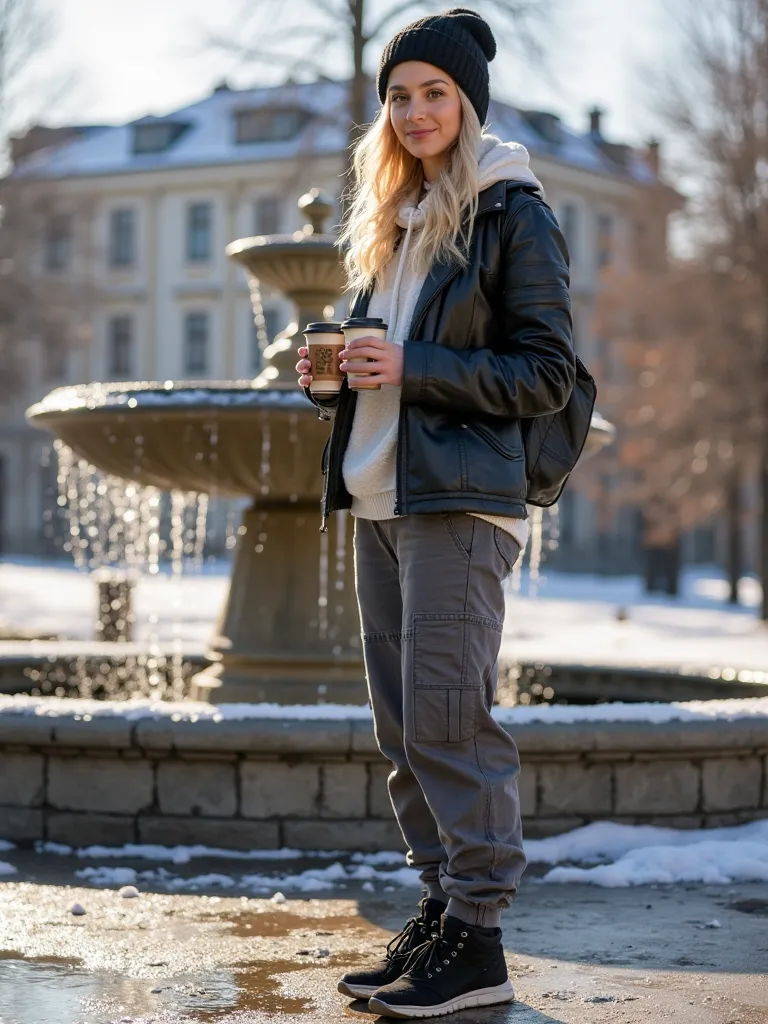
(357, 991)
(480, 997)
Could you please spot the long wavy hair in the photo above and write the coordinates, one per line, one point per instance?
(386, 176)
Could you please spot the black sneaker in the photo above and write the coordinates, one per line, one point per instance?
(464, 967)
(362, 984)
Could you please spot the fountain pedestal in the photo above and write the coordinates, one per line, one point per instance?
(289, 629)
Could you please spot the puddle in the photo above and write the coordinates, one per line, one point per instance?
(59, 991)
(249, 924)
(55, 991)
(212, 996)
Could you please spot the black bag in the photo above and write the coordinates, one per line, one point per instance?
(554, 442)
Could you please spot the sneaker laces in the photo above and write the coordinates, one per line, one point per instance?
(404, 942)
(434, 956)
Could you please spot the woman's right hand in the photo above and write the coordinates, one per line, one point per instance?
(303, 368)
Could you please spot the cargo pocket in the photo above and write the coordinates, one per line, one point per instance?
(508, 548)
(452, 655)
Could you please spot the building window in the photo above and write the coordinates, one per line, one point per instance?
(569, 222)
(121, 346)
(268, 125)
(122, 238)
(199, 232)
(150, 136)
(55, 351)
(264, 330)
(266, 216)
(604, 240)
(196, 343)
(58, 242)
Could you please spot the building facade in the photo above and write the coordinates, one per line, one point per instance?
(138, 216)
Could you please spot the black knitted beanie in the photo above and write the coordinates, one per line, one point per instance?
(459, 41)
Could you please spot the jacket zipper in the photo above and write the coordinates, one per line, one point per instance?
(399, 504)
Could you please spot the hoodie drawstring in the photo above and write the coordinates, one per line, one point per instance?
(399, 276)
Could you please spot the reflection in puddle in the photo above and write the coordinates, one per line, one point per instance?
(55, 991)
(246, 987)
(58, 991)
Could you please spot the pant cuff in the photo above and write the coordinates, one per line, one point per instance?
(436, 892)
(474, 914)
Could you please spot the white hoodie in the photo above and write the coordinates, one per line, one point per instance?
(370, 458)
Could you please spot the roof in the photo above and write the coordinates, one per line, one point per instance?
(209, 136)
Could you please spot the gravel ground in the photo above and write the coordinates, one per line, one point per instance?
(691, 954)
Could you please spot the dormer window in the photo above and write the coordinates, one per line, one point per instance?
(547, 126)
(152, 135)
(269, 124)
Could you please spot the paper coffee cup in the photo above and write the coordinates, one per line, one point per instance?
(325, 340)
(361, 327)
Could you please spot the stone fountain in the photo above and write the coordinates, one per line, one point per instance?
(289, 628)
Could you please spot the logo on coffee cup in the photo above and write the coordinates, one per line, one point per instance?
(323, 359)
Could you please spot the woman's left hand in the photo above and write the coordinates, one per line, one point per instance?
(388, 359)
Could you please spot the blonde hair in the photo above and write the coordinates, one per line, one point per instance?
(386, 175)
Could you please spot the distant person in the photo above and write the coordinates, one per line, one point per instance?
(451, 244)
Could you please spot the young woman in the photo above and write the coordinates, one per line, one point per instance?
(450, 242)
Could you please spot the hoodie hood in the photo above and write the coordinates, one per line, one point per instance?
(497, 161)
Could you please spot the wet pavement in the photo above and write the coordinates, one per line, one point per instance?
(689, 954)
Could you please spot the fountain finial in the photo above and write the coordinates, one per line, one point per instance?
(318, 207)
(306, 267)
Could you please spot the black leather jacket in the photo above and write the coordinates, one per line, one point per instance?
(488, 346)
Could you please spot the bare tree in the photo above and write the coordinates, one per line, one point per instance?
(517, 25)
(686, 405)
(715, 102)
(24, 30)
(35, 310)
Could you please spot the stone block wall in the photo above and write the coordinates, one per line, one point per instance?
(322, 784)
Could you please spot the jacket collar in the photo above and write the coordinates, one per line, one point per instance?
(492, 198)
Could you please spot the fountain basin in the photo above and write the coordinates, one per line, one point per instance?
(189, 436)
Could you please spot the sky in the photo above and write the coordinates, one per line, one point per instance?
(118, 60)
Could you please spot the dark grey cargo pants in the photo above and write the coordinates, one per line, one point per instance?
(432, 608)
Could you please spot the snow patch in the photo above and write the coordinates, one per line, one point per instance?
(202, 882)
(377, 859)
(713, 863)
(108, 875)
(7, 869)
(178, 854)
(5, 845)
(312, 880)
(191, 711)
(61, 849)
(608, 840)
(645, 855)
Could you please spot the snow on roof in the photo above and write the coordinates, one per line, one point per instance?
(210, 138)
